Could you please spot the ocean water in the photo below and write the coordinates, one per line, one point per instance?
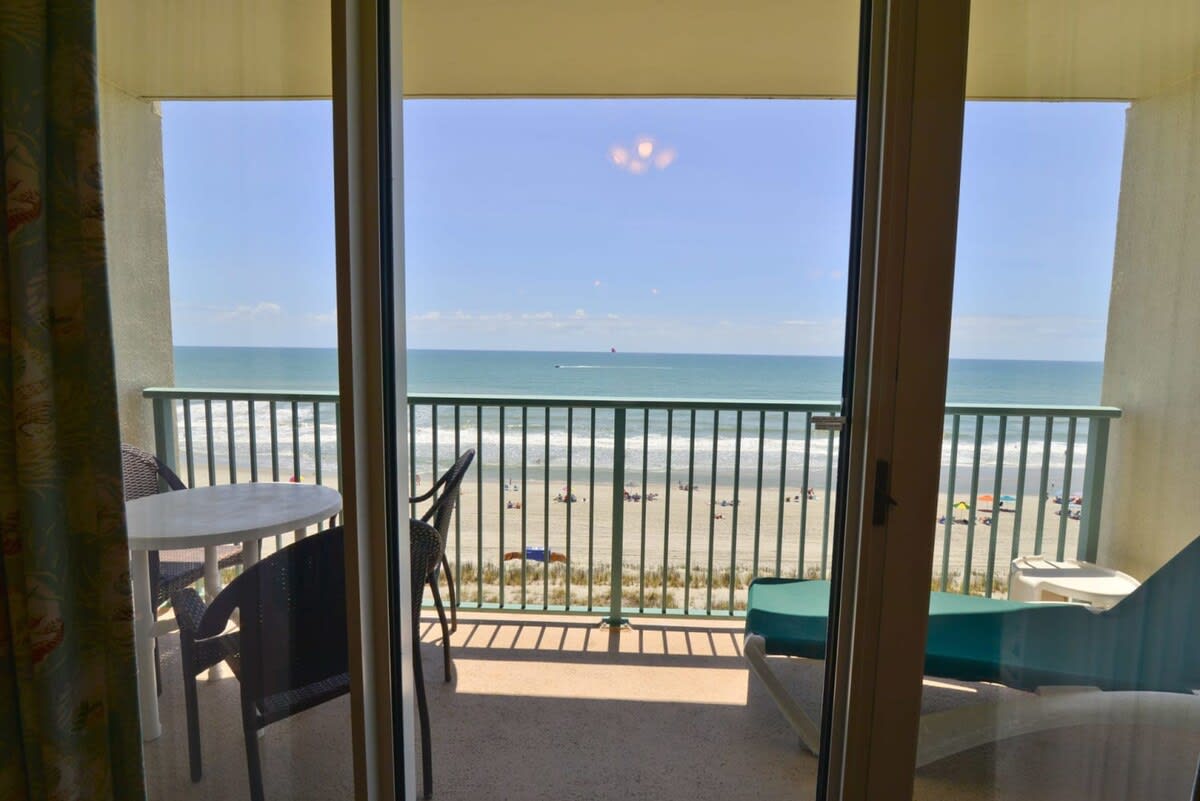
(638, 375)
(645, 375)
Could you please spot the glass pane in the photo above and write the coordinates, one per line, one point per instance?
(220, 233)
(1060, 658)
(632, 311)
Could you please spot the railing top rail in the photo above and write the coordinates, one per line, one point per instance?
(195, 393)
(1023, 410)
(329, 396)
(586, 402)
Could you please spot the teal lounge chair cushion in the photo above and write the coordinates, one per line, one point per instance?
(1146, 642)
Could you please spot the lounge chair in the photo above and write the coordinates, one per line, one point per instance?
(1145, 651)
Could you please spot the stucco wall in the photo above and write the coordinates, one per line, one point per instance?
(136, 233)
(1152, 359)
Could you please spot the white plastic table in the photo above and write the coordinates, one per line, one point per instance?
(207, 517)
(1035, 578)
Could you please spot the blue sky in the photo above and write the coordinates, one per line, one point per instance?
(536, 224)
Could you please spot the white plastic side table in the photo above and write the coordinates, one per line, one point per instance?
(1035, 578)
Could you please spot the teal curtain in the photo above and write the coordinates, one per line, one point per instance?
(68, 698)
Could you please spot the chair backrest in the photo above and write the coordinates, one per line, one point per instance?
(445, 494)
(293, 616)
(141, 471)
(1158, 624)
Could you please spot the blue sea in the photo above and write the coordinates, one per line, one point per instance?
(644, 375)
(650, 375)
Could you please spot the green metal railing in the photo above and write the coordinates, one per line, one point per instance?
(669, 506)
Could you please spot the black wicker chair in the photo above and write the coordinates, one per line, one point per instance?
(440, 512)
(426, 548)
(143, 474)
(291, 651)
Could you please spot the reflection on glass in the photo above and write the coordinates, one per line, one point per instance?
(1065, 564)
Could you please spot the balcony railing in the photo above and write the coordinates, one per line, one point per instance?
(672, 506)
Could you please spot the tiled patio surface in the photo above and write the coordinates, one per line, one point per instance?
(555, 708)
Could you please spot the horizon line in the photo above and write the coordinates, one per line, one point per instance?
(641, 353)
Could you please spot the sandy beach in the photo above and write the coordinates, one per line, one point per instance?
(732, 543)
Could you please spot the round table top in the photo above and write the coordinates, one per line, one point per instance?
(226, 513)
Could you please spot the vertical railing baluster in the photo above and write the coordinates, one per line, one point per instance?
(189, 449)
(1064, 509)
(758, 496)
(337, 441)
(825, 518)
(783, 454)
(253, 415)
(479, 504)
(546, 511)
(967, 557)
(210, 456)
(951, 480)
(667, 508)
(458, 508)
(412, 459)
(435, 474)
(645, 503)
(231, 442)
(805, 468)
(592, 505)
(296, 441)
(524, 504)
(687, 548)
(318, 470)
(805, 465)
(567, 494)
(166, 438)
(712, 513)
(1093, 490)
(500, 504)
(615, 597)
(996, 492)
(1047, 442)
(274, 411)
(733, 530)
(1022, 461)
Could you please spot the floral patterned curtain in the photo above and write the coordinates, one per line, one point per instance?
(68, 697)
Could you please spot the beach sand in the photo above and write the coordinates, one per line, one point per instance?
(731, 543)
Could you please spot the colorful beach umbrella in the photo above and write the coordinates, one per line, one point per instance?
(1007, 498)
(985, 498)
(962, 505)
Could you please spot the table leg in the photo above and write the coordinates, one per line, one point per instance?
(249, 553)
(212, 586)
(143, 631)
(212, 574)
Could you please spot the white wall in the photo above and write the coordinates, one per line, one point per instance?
(1152, 360)
(136, 234)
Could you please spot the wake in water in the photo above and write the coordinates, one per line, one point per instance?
(611, 367)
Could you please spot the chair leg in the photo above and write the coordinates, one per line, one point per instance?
(192, 712)
(453, 597)
(422, 714)
(253, 764)
(437, 601)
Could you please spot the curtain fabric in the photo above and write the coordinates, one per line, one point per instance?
(68, 698)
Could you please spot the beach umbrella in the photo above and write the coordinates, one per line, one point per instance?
(962, 505)
(1007, 498)
(985, 498)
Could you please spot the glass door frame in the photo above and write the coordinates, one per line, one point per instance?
(915, 97)
(914, 93)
